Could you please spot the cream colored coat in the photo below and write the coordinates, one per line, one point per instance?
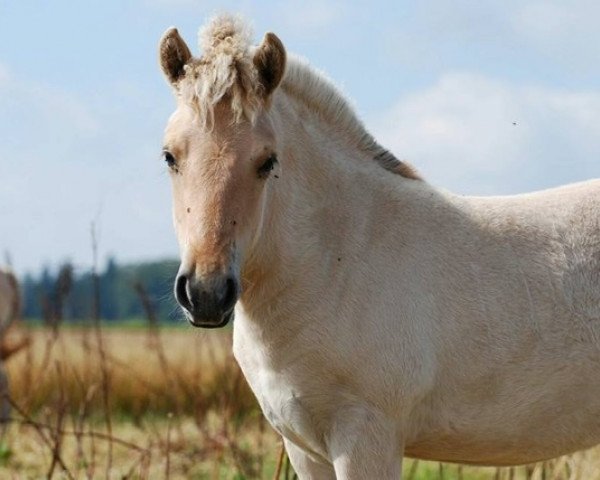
(450, 328)
(379, 316)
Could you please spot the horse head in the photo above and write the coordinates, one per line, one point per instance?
(220, 149)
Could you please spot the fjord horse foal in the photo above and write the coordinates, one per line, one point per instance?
(375, 316)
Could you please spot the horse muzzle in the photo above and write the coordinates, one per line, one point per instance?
(207, 303)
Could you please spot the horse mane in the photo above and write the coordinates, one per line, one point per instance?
(226, 72)
(323, 97)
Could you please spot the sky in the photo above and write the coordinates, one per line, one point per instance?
(488, 97)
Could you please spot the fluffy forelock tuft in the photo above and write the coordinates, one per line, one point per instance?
(226, 69)
(227, 33)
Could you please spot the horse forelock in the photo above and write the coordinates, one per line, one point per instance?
(224, 72)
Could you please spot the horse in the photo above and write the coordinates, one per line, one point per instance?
(376, 316)
(10, 299)
(10, 308)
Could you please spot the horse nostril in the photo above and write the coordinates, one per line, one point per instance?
(203, 303)
(181, 292)
(230, 294)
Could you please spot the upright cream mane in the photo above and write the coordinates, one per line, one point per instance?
(226, 71)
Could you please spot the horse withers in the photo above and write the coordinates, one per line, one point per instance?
(375, 315)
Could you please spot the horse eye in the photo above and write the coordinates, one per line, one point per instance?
(169, 158)
(265, 168)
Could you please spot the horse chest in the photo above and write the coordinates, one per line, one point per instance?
(284, 402)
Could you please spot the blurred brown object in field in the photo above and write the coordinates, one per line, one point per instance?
(9, 345)
(10, 300)
(10, 312)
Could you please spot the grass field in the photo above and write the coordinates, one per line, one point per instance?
(137, 403)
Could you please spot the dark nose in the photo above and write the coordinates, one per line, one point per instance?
(209, 302)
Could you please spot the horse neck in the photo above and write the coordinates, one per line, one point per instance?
(314, 217)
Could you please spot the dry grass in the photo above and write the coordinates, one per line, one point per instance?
(184, 371)
(156, 448)
(133, 403)
(120, 402)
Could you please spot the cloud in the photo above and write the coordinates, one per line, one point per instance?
(476, 134)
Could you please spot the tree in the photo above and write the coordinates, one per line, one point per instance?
(109, 292)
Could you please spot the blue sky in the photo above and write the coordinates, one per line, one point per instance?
(441, 83)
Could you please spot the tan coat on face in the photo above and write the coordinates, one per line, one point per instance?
(383, 317)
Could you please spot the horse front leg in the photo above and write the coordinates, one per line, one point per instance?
(305, 466)
(365, 445)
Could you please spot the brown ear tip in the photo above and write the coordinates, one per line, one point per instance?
(169, 33)
(270, 60)
(275, 44)
(273, 39)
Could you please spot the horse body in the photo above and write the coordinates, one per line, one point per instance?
(377, 315)
(519, 350)
(462, 322)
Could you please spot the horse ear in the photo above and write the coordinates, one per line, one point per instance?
(269, 60)
(173, 54)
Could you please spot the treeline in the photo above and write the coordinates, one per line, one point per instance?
(116, 293)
